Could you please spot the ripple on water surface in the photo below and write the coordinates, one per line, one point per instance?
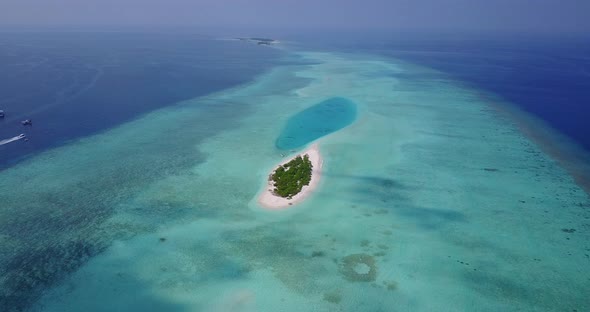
(317, 121)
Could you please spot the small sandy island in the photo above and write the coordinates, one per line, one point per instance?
(271, 201)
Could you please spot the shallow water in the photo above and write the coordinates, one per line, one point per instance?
(430, 200)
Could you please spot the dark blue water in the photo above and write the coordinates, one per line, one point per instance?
(75, 84)
(548, 77)
(315, 122)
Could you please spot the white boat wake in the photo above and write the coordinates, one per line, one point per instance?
(16, 138)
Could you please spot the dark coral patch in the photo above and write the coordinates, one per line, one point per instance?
(332, 297)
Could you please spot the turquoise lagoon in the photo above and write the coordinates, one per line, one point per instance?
(429, 201)
(315, 122)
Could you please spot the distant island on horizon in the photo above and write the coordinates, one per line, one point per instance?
(259, 41)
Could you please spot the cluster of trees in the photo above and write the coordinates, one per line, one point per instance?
(291, 177)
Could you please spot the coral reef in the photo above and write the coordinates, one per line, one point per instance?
(332, 297)
(358, 268)
(318, 254)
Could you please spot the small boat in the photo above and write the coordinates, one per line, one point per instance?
(21, 136)
(1, 113)
(27, 122)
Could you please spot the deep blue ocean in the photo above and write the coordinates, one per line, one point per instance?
(546, 76)
(73, 84)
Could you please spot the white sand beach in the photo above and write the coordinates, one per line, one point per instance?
(271, 201)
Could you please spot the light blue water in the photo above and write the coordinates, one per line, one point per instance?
(315, 122)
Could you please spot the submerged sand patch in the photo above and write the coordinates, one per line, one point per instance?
(359, 268)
